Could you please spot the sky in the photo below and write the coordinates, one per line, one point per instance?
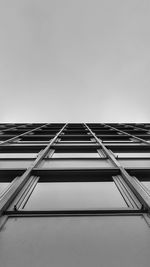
(74, 60)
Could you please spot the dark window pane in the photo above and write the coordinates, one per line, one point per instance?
(75, 138)
(119, 142)
(77, 195)
(77, 142)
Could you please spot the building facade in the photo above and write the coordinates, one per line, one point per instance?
(75, 195)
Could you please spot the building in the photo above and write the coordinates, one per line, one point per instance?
(75, 195)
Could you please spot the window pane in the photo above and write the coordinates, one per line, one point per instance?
(77, 142)
(75, 138)
(18, 155)
(32, 142)
(70, 242)
(75, 196)
(119, 141)
(133, 155)
(75, 163)
(17, 164)
(135, 163)
(75, 155)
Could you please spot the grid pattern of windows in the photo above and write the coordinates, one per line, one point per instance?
(81, 185)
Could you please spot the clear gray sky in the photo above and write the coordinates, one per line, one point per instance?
(74, 60)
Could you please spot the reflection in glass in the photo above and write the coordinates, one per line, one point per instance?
(75, 195)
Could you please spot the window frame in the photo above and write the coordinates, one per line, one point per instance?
(133, 205)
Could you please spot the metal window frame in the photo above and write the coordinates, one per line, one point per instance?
(22, 186)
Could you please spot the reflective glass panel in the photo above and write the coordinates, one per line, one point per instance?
(75, 242)
(75, 155)
(135, 163)
(17, 164)
(75, 196)
(75, 163)
(118, 141)
(133, 155)
(18, 155)
(32, 142)
(77, 142)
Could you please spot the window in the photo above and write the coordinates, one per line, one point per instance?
(75, 196)
(132, 155)
(75, 155)
(13, 148)
(31, 142)
(4, 138)
(46, 132)
(55, 163)
(116, 138)
(120, 141)
(76, 241)
(75, 138)
(14, 164)
(74, 205)
(77, 142)
(141, 163)
(36, 138)
(75, 132)
(18, 155)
